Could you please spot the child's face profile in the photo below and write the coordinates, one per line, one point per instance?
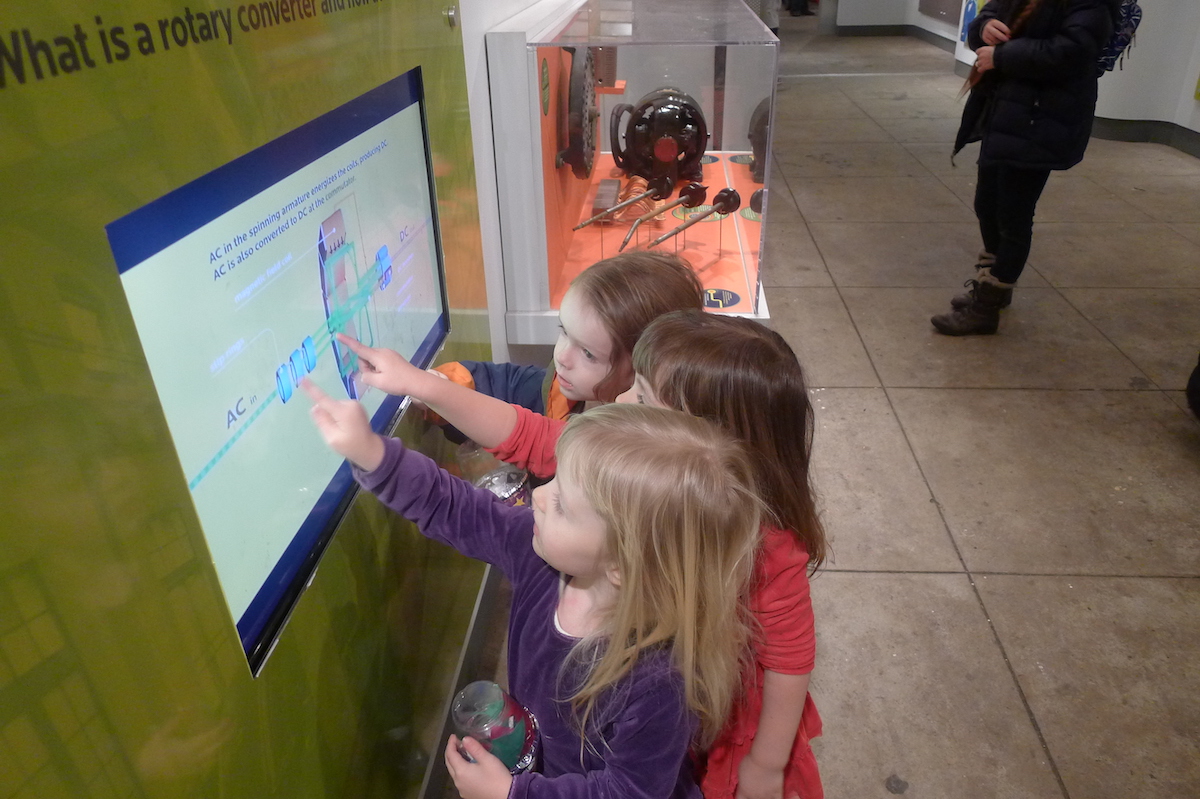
(583, 353)
(567, 532)
(640, 393)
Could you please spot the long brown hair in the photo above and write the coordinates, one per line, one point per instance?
(682, 516)
(628, 292)
(745, 377)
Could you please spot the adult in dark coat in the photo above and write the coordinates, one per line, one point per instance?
(1031, 109)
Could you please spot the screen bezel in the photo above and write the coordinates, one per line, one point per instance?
(159, 224)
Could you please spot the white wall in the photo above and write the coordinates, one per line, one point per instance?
(1159, 75)
(963, 53)
(892, 12)
(872, 12)
(1158, 81)
(948, 30)
(1188, 112)
(476, 18)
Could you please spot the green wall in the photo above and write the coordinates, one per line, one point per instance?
(121, 674)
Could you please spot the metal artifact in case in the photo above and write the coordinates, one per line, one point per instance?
(630, 124)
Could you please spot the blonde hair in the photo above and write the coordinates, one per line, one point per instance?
(628, 292)
(678, 500)
(744, 377)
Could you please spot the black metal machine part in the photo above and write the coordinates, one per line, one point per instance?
(665, 135)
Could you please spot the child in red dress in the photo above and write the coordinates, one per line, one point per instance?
(744, 377)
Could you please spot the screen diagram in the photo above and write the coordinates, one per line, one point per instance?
(238, 283)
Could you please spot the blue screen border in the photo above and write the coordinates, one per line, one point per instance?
(152, 228)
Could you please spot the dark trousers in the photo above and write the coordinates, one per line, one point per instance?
(1005, 199)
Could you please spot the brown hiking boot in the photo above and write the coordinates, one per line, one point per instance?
(981, 316)
(983, 271)
(960, 301)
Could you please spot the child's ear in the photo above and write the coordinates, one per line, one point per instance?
(613, 574)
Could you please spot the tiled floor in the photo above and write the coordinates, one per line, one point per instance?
(1013, 606)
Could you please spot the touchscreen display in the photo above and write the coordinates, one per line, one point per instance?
(237, 283)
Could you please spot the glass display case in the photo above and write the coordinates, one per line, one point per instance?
(630, 124)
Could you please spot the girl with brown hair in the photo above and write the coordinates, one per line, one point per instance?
(600, 318)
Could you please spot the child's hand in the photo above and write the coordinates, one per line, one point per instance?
(756, 781)
(486, 778)
(995, 32)
(985, 59)
(384, 369)
(345, 428)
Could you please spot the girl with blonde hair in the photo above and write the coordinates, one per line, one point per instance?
(626, 632)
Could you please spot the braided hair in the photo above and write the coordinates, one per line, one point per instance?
(1023, 16)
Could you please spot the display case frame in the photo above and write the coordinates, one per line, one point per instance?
(718, 51)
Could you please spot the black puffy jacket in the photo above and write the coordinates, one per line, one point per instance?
(1034, 109)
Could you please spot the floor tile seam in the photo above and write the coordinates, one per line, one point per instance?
(1030, 715)
(809, 75)
(1088, 575)
(823, 141)
(869, 116)
(786, 185)
(807, 229)
(1048, 287)
(907, 173)
(949, 154)
(917, 462)
(1115, 176)
(877, 177)
(892, 408)
(1046, 575)
(837, 288)
(1126, 389)
(1105, 336)
(969, 206)
(943, 572)
(1117, 225)
(1133, 209)
(1016, 680)
(972, 223)
(1194, 287)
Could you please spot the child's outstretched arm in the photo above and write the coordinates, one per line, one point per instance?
(531, 443)
(345, 427)
(444, 507)
(485, 420)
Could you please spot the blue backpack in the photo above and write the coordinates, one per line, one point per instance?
(1125, 23)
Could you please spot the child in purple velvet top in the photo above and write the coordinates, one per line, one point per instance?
(626, 629)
